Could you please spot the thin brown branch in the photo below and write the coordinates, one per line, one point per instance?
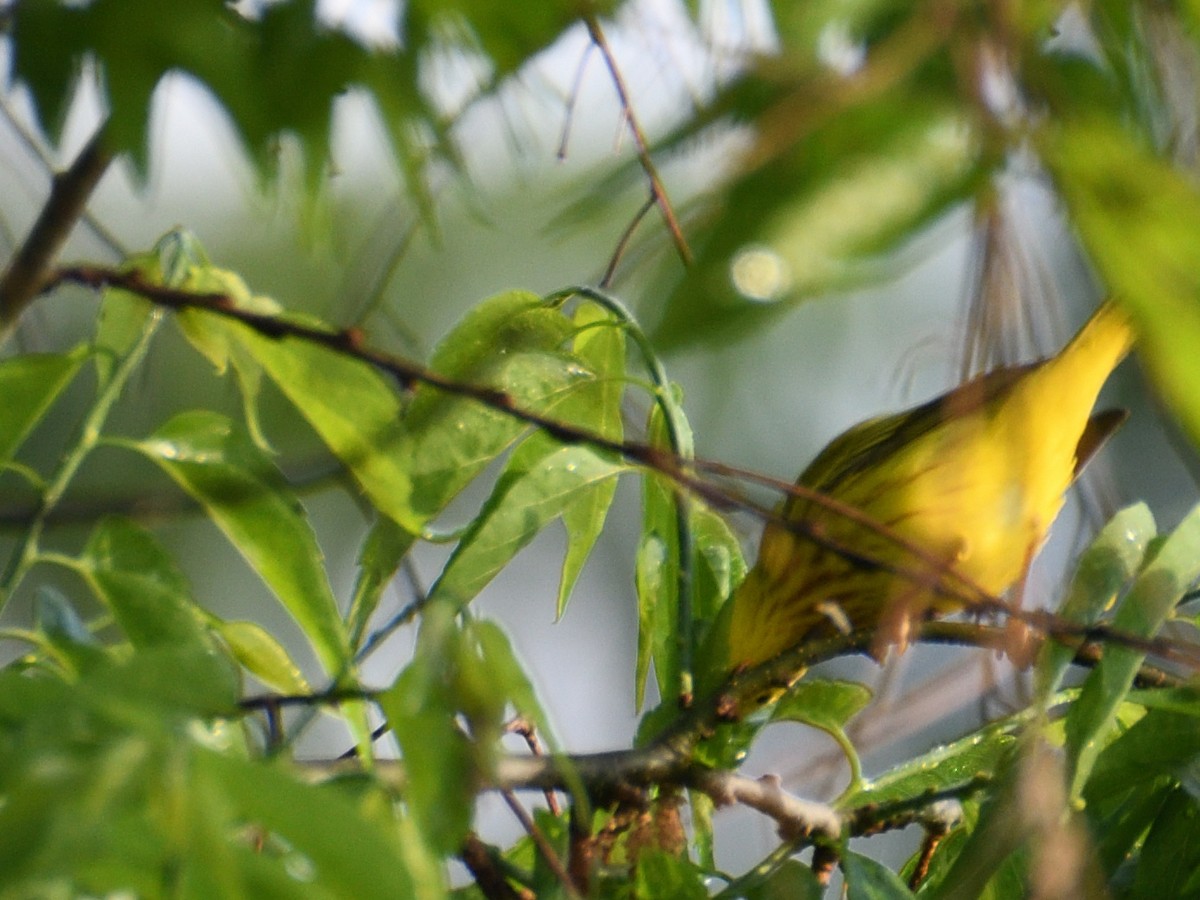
(549, 857)
(623, 242)
(29, 271)
(657, 190)
(478, 859)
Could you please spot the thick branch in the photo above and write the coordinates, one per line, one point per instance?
(29, 270)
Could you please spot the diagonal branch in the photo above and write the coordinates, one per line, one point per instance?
(658, 193)
(29, 271)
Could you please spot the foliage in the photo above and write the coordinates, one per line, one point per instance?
(133, 758)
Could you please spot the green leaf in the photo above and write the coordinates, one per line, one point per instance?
(1170, 857)
(381, 554)
(659, 560)
(1159, 744)
(1139, 218)
(818, 214)
(347, 853)
(218, 465)
(512, 343)
(600, 345)
(659, 874)
(822, 703)
(1103, 570)
(532, 491)
(1149, 602)
(263, 656)
(506, 676)
(421, 708)
(942, 768)
(867, 879)
(29, 384)
(138, 580)
(791, 881)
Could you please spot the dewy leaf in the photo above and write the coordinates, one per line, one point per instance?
(246, 497)
(529, 494)
(29, 384)
(600, 344)
(1103, 570)
(824, 704)
(1149, 602)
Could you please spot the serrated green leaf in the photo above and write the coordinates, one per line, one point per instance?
(1103, 570)
(867, 879)
(30, 384)
(262, 656)
(218, 465)
(1149, 602)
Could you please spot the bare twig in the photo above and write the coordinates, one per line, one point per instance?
(477, 857)
(549, 857)
(657, 190)
(30, 269)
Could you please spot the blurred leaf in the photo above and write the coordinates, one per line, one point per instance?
(348, 854)
(29, 384)
(822, 214)
(217, 465)
(791, 881)
(507, 677)
(659, 559)
(1169, 864)
(263, 656)
(1159, 744)
(1102, 572)
(659, 874)
(867, 879)
(279, 72)
(1149, 602)
(119, 325)
(421, 709)
(1139, 218)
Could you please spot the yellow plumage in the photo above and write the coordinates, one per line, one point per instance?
(974, 478)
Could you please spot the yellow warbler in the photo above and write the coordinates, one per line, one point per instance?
(973, 478)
